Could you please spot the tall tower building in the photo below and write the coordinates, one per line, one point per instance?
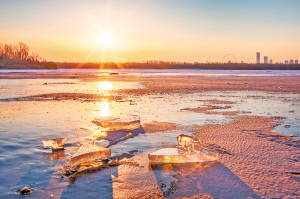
(286, 62)
(296, 61)
(258, 57)
(291, 61)
(271, 61)
(265, 59)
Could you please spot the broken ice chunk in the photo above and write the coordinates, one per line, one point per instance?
(172, 155)
(55, 144)
(88, 153)
(125, 122)
(186, 143)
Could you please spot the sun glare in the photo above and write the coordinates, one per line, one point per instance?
(105, 39)
(105, 42)
(105, 85)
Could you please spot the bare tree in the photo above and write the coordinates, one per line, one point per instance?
(23, 50)
(1, 49)
(31, 57)
(15, 52)
(20, 51)
(8, 51)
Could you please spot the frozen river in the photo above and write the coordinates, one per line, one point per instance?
(24, 124)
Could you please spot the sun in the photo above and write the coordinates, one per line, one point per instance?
(105, 39)
(105, 42)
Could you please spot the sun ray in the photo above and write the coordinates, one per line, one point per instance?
(114, 54)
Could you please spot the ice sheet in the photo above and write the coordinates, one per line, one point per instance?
(172, 155)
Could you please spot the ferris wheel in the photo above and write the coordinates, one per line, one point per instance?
(229, 58)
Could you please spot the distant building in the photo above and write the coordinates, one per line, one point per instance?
(242, 62)
(271, 61)
(265, 59)
(258, 57)
(296, 61)
(286, 62)
(281, 63)
(291, 61)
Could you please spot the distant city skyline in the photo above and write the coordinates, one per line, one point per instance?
(170, 30)
(271, 60)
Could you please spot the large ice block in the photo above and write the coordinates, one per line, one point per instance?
(124, 122)
(55, 144)
(172, 155)
(88, 153)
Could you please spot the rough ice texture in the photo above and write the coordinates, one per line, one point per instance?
(250, 166)
(207, 110)
(153, 127)
(264, 163)
(88, 153)
(217, 101)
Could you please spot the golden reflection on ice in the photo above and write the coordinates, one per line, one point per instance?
(104, 109)
(100, 134)
(105, 85)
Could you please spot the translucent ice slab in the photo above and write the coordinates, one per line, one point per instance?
(88, 153)
(55, 144)
(114, 137)
(124, 122)
(172, 155)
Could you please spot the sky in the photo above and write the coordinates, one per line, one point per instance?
(139, 30)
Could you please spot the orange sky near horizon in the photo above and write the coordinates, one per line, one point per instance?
(195, 31)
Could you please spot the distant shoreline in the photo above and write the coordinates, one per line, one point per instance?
(135, 65)
(171, 65)
(25, 64)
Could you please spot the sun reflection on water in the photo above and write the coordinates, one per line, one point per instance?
(104, 109)
(104, 106)
(105, 85)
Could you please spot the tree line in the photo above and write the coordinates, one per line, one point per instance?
(19, 52)
(164, 65)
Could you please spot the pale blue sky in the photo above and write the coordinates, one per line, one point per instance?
(152, 29)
